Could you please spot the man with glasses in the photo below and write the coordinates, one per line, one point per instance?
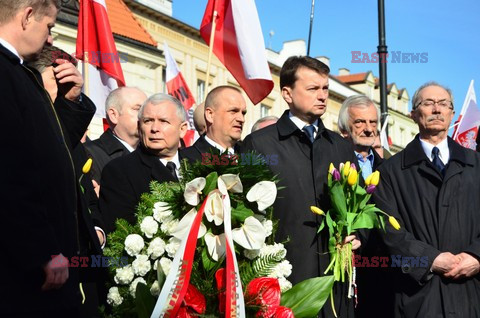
(432, 188)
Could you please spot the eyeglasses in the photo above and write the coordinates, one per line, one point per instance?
(441, 103)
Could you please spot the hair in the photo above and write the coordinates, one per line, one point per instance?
(361, 101)
(159, 98)
(416, 97)
(11, 7)
(288, 73)
(262, 120)
(48, 56)
(211, 100)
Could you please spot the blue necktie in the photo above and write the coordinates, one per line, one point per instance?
(437, 162)
(309, 130)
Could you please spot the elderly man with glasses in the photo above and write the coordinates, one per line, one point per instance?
(432, 188)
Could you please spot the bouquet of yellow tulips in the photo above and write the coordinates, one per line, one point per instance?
(350, 211)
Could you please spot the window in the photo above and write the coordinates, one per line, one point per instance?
(200, 91)
(264, 110)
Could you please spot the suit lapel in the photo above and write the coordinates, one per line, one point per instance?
(158, 171)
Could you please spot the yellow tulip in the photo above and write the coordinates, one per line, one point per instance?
(316, 210)
(375, 178)
(331, 168)
(368, 181)
(87, 166)
(352, 177)
(346, 169)
(393, 221)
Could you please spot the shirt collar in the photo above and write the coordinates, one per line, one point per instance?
(443, 153)
(10, 47)
(370, 156)
(176, 161)
(129, 148)
(219, 147)
(300, 123)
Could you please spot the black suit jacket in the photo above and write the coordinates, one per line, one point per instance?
(102, 151)
(39, 189)
(302, 169)
(124, 180)
(201, 146)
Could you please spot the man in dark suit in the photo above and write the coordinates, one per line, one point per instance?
(161, 123)
(39, 186)
(358, 123)
(431, 187)
(121, 108)
(225, 110)
(305, 149)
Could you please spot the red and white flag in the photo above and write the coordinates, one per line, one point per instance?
(239, 44)
(466, 129)
(95, 39)
(178, 88)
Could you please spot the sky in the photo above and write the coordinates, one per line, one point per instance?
(447, 31)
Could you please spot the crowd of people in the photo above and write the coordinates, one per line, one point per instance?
(53, 211)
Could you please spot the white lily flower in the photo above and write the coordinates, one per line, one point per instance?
(183, 227)
(214, 208)
(215, 245)
(193, 189)
(230, 182)
(251, 235)
(264, 193)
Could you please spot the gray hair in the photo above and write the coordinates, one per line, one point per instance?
(159, 98)
(262, 120)
(353, 101)
(115, 100)
(416, 97)
(11, 7)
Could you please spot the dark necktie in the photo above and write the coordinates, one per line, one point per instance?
(437, 162)
(172, 167)
(309, 130)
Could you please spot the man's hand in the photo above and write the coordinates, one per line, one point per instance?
(355, 242)
(101, 237)
(467, 267)
(96, 187)
(56, 272)
(444, 263)
(69, 80)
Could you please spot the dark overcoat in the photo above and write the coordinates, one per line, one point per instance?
(102, 151)
(436, 215)
(124, 180)
(39, 197)
(302, 169)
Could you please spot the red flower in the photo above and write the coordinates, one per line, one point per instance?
(283, 312)
(264, 292)
(193, 303)
(220, 278)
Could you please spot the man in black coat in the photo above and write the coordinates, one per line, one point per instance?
(432, 188)
(358, 122)
(40, 195)
(225, 111)
(301, 158)
(161, 123)
(121, 109)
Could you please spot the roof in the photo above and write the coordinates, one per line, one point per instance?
(353, 78)
(124, 23)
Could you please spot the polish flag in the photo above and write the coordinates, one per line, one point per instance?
(178, 88)
(95, 40)
(239, 44)
(466, 129)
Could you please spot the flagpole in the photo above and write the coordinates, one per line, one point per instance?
(464, 108)
(210, 48)
(310, 30)
(86, 87)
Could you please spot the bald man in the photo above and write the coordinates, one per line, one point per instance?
(225, 110)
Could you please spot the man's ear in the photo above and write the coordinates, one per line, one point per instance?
(209, 115)
(413, 115)
(27, 16)
(287, 94)
(113, 115)
(344, 134)
(183, 129)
